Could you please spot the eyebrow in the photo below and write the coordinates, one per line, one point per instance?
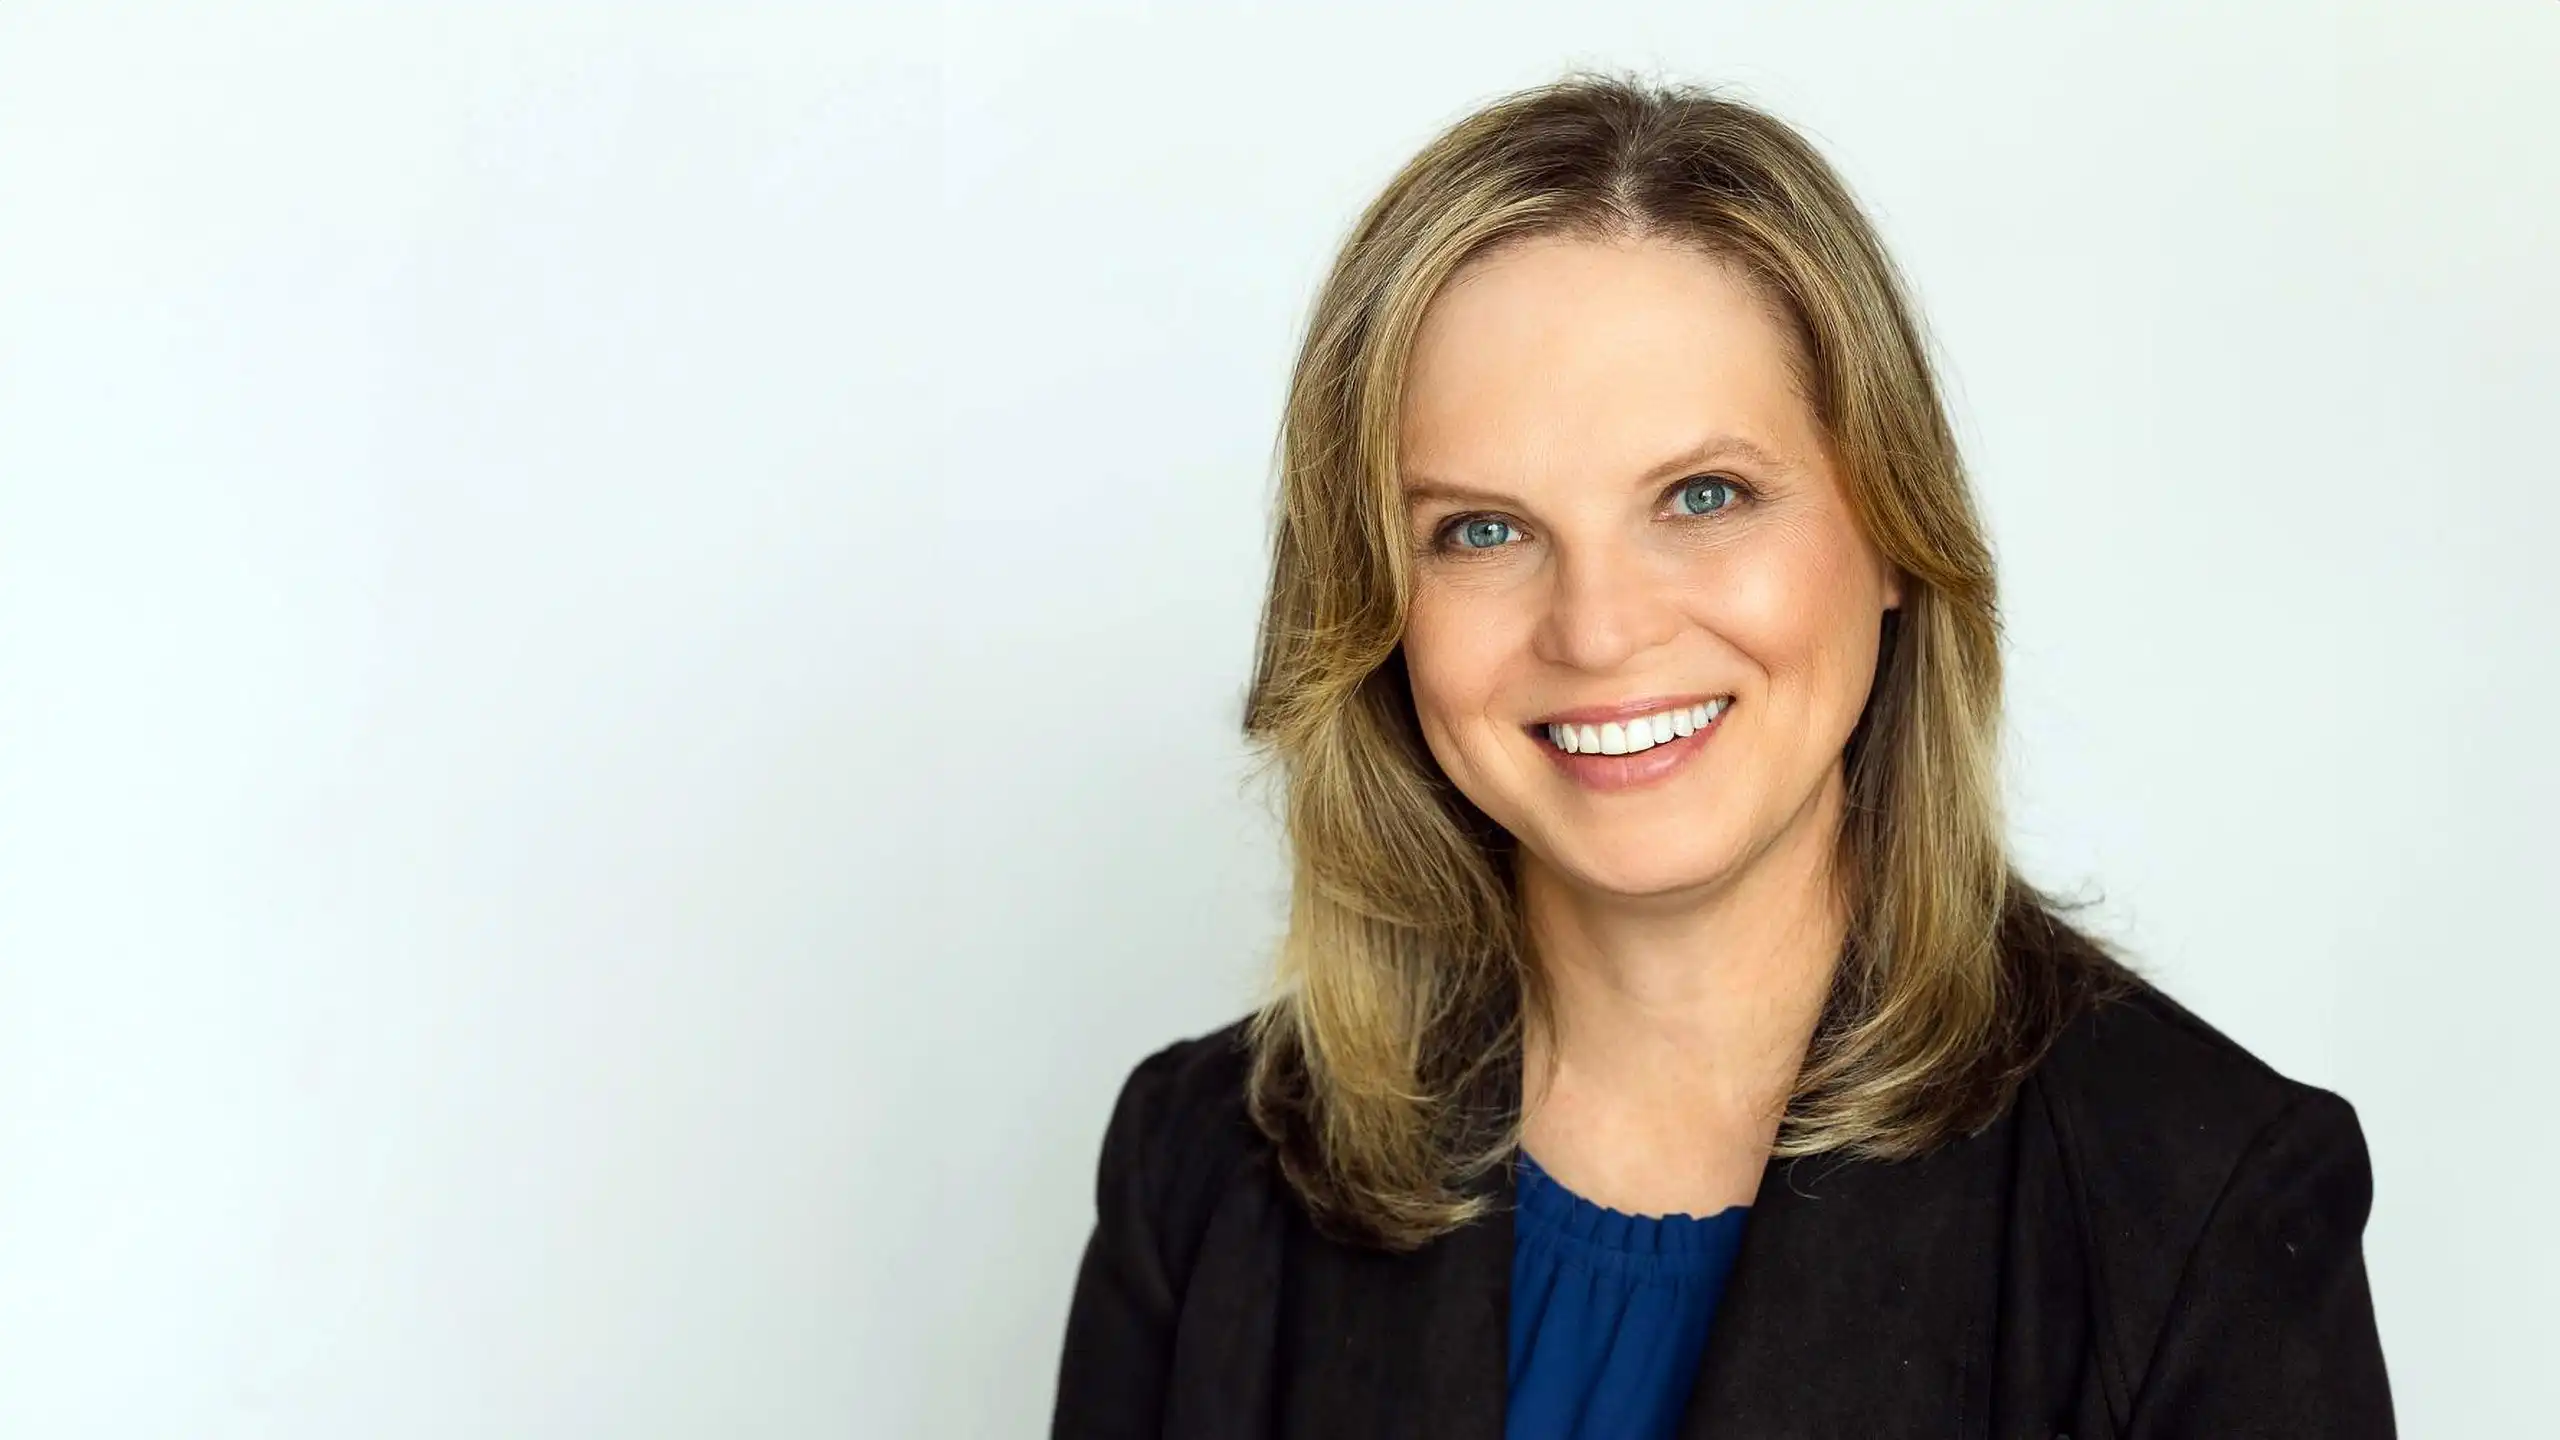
(1421, 488)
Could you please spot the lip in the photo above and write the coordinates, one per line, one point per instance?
(1629, 772)
(1626, 710)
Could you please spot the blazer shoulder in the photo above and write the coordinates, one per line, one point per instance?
(2145, 1075)
(2166, 1129)
(1180, 1128)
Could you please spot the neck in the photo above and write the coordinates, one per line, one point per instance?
(1689, 1014)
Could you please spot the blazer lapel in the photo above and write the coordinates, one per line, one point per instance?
(1863, 1299)
(1413, 1347)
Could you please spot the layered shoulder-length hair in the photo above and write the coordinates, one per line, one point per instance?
(1385, 1062)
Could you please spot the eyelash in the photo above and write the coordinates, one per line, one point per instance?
(1442, 535)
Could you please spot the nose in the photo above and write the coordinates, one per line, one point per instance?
(1604, 607)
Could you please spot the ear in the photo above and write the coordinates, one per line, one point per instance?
(1892, 586)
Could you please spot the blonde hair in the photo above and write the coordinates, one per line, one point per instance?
(1380, 1064)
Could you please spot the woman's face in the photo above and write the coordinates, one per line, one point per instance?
(1626, 520)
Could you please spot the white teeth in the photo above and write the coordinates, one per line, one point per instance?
(1637, 735)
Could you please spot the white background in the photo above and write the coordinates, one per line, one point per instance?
(621, 634)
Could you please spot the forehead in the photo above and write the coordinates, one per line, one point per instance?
(1576, 354)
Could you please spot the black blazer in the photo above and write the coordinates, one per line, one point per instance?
(2160, 1236)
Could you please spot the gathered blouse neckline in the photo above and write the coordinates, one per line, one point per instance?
(1599, 1237)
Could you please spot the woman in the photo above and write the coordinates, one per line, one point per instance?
(1664, 1043)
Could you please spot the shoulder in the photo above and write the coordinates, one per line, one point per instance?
(2188, 1159)
(1179, 1131)
(2148, 1091)
(1191, 1092)
(1171, 1164)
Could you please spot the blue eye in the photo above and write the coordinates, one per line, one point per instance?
(1694, 495)
(1481, 533)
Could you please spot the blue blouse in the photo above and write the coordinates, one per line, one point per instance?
(1609, 1312)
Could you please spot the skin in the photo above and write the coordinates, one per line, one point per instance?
(1574, 547)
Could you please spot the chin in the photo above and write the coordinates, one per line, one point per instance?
(1631, 870)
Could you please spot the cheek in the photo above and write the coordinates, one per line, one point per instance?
(1805, 610)
(1455, 649)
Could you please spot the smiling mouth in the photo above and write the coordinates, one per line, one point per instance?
(1636, 735)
